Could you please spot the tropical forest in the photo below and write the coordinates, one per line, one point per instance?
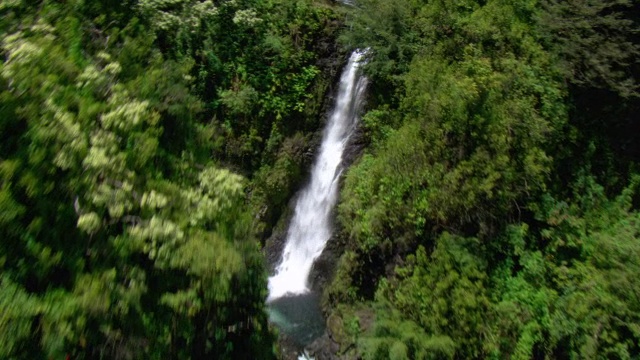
(320, 179)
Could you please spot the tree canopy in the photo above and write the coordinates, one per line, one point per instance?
(493, 211)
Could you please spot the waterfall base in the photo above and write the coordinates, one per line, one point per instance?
(298, 317)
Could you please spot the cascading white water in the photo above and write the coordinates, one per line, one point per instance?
(310, 228)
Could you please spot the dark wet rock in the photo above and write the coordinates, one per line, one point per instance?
(355, 147)
(287, 348)
(324, 267)
(273, 248)
(324, 348)
(335, 327)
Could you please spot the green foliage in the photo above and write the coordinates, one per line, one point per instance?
(256, 68)
(274, 185)
(394, 338)
(500, 142)
(390, 31)
(342, 289)
(123, 237)
(499, 145)
(474, 140)
(446, 294)
(573, 297)
(596, 42)
(18, 308)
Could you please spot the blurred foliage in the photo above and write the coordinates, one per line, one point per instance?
(133, 133)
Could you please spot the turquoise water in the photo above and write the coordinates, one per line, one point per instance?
(298, 316)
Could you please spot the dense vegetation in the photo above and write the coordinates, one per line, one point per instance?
(494, 212)
(132, 134)
(148, 146)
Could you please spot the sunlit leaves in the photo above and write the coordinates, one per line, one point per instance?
(246, 17)
(185, 302)
(158, 238)
(10, 209)
(153, 200)
(164, 16)
(18, 308)
(125, 116)
(446, 293)
(240, 101)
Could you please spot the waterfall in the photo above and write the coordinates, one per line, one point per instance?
(311, 226)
